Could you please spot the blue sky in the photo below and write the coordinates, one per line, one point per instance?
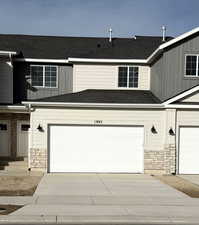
(94, 17)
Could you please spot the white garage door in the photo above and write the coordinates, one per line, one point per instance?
(96, 149)
(189, 150)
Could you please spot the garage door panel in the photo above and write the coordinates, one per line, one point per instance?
(96, 149)
(189, 150)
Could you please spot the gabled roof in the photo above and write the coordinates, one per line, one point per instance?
(54, 47)
(105, 96)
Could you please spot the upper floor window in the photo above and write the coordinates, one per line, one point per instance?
(191, 65)
(44, 76)
(128, 76)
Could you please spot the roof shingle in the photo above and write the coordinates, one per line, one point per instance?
(54, 47)
(105, 96)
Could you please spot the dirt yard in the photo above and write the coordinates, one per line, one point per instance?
(180, 184)
(18, 185)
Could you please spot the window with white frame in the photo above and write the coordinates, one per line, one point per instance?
(128, 76)
(44, 76)
(191, 65)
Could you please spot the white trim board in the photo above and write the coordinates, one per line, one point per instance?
(182, 106)
(41, 60)
(179, 38)
(96, 105)
(7, 53)
(184, 94)
(111, 106)
(171, 42)
(13, 107)
(107, 60)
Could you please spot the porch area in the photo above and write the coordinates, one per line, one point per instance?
(14, 128)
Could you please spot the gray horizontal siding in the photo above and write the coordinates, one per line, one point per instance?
(24, 90)
(167, 74)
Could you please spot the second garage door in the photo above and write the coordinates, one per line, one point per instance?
(96, 149)
(189, 150)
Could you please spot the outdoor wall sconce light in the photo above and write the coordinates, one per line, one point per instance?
(153, 130)
(171, 132)
(40, 128)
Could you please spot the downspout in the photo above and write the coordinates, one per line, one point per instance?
(29, 140)
(29, 137)
(176, 144)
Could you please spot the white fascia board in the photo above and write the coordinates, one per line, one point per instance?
(13, 107)
(41, 60)
(179, 38)
(7, 53)
(153, 55)
(111, 106)
(95, 105)
(171, 42)
(182, 106)
(86, 60)
(184, 94)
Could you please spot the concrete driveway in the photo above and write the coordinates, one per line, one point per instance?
(103, 185)
(109, 195)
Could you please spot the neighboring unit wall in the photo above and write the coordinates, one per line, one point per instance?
(167, 74)
(6, 82)
(22, 82)
(158, 152)
(97, 76)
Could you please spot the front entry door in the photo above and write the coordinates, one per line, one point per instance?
(4, 138)
(22, 138)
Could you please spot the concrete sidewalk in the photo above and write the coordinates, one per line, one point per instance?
(93, 220)
(117, 220)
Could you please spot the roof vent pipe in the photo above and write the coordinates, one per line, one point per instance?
(110, 35)
(163, 33)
